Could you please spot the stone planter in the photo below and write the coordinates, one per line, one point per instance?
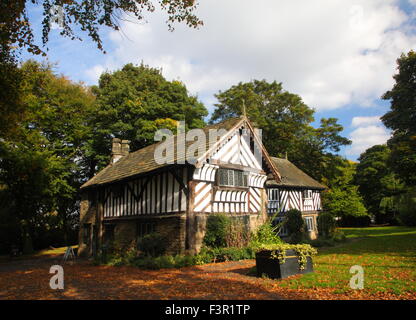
(271, 267)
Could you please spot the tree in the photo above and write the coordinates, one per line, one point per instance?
(402, 119)
(11, 105)
(281, 115)
(84, 15)
(343, 199)
(285, 121)
(132, 103)
(376, 181)
(40, 167)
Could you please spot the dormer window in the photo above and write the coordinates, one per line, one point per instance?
(232, 178)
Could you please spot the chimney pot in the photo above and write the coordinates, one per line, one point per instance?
(125, 147)
(120, 148)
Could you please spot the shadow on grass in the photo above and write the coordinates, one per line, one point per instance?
(378, 231)
(392, 244)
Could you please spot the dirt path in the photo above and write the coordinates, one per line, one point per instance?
(29, 279)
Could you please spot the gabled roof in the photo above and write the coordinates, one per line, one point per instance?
(292, 176)
(143, 161)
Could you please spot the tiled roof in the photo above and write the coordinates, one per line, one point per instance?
(292, 176)
(143, 160)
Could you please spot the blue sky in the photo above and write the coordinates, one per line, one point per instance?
(338, 55)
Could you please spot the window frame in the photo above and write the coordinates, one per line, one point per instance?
(312, 224)
(144, 228)
(235, 178)
(308, 194)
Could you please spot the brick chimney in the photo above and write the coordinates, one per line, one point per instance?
(119, 149)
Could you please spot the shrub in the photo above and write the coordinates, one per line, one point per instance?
(295, 225)
(407, 209)
(265, 234)
(208, 255)
(216, 230)
(338, 236)
(152, 244)
(279, 251)
(326, 225)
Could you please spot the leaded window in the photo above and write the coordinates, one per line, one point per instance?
(232, 178)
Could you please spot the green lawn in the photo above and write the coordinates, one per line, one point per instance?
(387, 254)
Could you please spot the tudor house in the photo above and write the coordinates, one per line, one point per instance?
(294, 190)
(136, 195)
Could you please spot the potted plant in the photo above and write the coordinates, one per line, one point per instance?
(278, 261)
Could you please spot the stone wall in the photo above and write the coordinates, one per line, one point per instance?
(173, 228)
(88, 216)
(125, 234)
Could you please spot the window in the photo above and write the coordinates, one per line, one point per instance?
(144, 228)
(232, 178)
(307, 194)
(86, 236)
(309, 223)
(274, 194)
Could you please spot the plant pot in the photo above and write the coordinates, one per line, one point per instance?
(272, 268)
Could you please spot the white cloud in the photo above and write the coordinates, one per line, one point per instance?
(332, 53)
(94, 72)
(370, 131)
(365, 121)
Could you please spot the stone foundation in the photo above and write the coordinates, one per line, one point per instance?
(88, 215)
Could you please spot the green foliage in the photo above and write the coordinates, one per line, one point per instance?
(339, 236)
(152, 244)
(12, 108)
(343, 199)
(132, 104)
(39, 168)
(82, 15)
(265, 234)
(226, 254)
(407, 208)
(206, 255)
(380, 250)
(294, 221)
(285, 121)
(216, 230)
(326, 225)
(377, 182)
(279, 252)
(401, 119)
(295, 226)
